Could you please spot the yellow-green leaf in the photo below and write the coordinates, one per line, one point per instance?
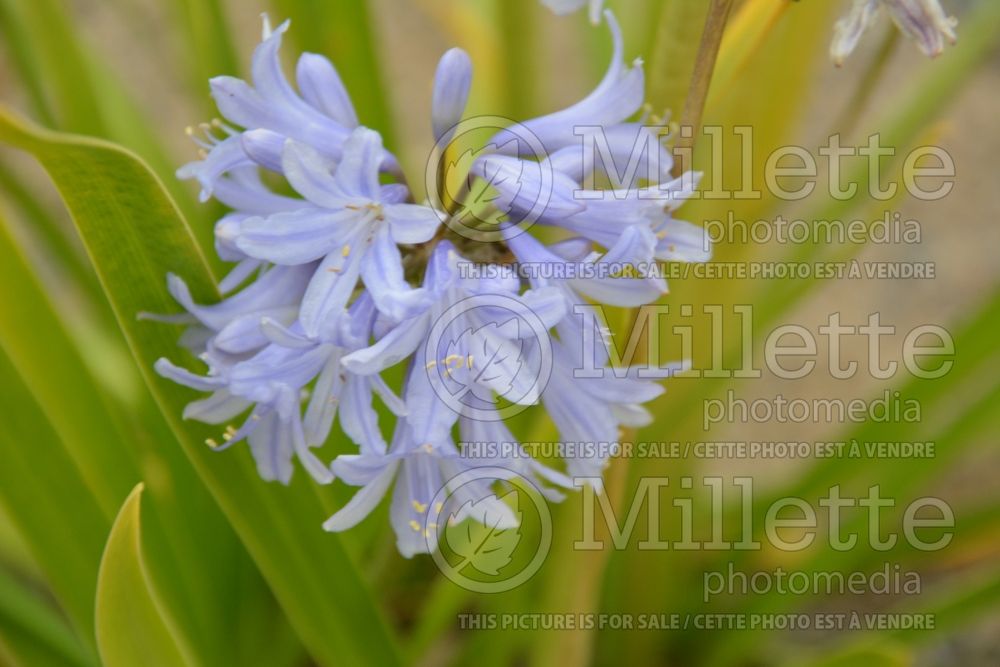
(130, 625)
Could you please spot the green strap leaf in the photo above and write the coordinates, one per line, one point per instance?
(135, 236)
(130, 626)
(40, 487)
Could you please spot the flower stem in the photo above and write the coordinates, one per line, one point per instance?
(708, 51)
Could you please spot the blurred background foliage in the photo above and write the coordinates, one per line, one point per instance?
(123, 540)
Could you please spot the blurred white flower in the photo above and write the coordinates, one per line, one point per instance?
(923, 21)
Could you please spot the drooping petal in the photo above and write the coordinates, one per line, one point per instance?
(848, 30)
(271, 445)
(618, 96)
(382, 272)
(364, 501)
(324, 402)
(319, 472)
(412, 223)
(219, 408)
(358, 418)
(171, 371)
(331, 287)
(390, 349)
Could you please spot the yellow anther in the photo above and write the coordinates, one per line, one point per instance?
(419, 506)
(414, 525)
(345, 251)
(211, 443)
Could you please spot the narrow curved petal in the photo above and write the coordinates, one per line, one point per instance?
(399, 343)
(322, 87)
(364, 501)
(324, 402)
(618, 96)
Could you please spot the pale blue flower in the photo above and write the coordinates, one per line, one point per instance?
(320, 299)
(352, 226)
(430, 418)
(420, 471)
(320, 114)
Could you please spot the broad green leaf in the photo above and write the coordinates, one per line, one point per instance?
(135, 236)
(37, 344)
(52, 235)
(113, 445)
(28, 621)
(40, 486)
(130, 627)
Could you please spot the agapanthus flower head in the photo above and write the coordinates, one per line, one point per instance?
(923, 21)
(341, 275)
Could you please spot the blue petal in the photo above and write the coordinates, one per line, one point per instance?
(383, 275)
(324, 401)
(618, 96)
(451, 92)
(264, 147)
(297, 237)
(412, 223)
(399, 343)
(364, 501)
(357, 171)
(322, 87)
(330, 289)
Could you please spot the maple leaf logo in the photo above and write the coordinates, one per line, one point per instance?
(484, 186)
(488, 536)
(485, 360)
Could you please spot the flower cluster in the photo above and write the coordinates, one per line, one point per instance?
(923, 21)
(339, 275)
